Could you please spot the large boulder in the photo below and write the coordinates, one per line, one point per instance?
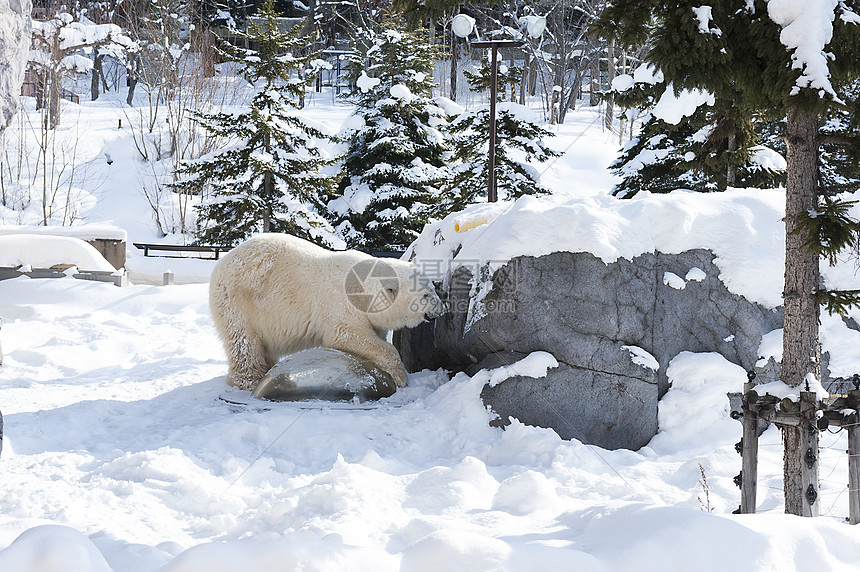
(613, 327)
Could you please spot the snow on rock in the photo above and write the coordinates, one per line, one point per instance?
(535, 365)
(843, 345)
(41, 251)
(695, 274)
(697, 401)
(672, 280)
(771, 346)
(642, 357)
(743, 227)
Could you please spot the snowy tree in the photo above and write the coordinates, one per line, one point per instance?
(783, 58)
(269, 177)
(688, 140)
(517, 132)
(840, 143)
(61, 46)
(396, 157)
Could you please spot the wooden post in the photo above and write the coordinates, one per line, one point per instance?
(854, 460)
(749, 470)
(809, 454)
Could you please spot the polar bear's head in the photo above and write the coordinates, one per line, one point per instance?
(393, 293)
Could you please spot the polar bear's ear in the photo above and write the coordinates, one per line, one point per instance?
(390, 285)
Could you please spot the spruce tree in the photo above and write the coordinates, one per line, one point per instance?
(269, 176)
(470, 137)
(715, 147)
(396, 159)
(738, 47)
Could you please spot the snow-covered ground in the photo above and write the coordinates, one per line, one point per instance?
(119, 455)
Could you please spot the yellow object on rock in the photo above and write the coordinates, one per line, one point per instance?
(464, 225)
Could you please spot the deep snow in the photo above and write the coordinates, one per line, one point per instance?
(119, 455)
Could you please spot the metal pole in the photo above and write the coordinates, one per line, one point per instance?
(491, 179)
(494, 56)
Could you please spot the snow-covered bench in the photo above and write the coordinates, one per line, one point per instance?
(44, 256)
(109, 240)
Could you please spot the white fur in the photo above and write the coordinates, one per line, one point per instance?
(276, 294)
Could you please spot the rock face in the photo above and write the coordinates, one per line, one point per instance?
(14, 47)
(612, 327)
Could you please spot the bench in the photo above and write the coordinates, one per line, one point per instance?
(217, 250)
(178, 249)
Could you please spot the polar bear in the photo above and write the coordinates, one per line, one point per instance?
(276, 294)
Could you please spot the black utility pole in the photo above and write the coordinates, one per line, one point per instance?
(494, 46)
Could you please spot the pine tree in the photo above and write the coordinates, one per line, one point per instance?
(470, 136)
(269, 178)
(714, 147)
(736, 47)
(396, 159)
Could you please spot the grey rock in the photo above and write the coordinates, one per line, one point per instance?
(325, 374)
(14, 48)
(612, 410)
(583, 311)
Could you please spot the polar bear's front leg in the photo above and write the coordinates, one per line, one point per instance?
(380, 352)
(246, 360)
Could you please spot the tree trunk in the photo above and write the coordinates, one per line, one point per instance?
(41, 88)
(97, 71)
(594, 95)
(525, 78)
(801, 352)
(454, 64)
(55, 93)
(131, 80)
(731, 169)
(609, 118)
